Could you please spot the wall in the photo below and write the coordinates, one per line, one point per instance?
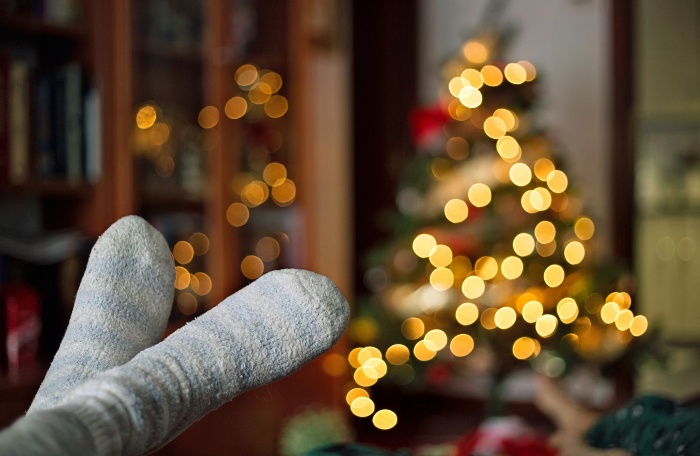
(569, 43)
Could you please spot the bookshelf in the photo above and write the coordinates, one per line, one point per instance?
(129, 54)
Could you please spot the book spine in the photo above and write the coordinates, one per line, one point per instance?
(43, 134)
(4, 117)
(19, 122)
(73, 116)
(93, 135)
(58, 124)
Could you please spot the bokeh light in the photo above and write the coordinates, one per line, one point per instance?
(268, 249)
(520, 174)
(523, 244)
(512, 267)
(412, 328)
(515, 73)
(146, 117)
(456, 210)
(475, 51)
(362, 407)
(183, 252)
(473, 287)
(491, 75)
(237, 214)
(208, 117)
(554, 275)
(574, 252)
(423, 244)
(479, 195)
(523, 348)
(546, 325)
(461, 345)
(486, 267)
(252, 267)
(284, 193)
(235, 107)
(532, 310)
(398, 354)
(384, 419)
(467, 313)
(440, 256)
(505, 317)
(584, 228)
(422, 352)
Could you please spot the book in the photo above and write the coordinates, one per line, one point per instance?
(4, 115)
(19, 121)
(93, 135)
(72, 77)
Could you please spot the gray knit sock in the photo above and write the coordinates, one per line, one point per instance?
(121, 308)
(262, 333)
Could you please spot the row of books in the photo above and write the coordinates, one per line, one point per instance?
(55, 11)
(50, 122)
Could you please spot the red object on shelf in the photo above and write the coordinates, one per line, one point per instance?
(21, 305)
(506, 436)
(427, 123)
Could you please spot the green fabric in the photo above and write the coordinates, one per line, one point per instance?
(650, 425)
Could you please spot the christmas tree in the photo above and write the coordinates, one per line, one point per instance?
(491, 255)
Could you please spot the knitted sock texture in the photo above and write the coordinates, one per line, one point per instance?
(264, 332)
(121, 307)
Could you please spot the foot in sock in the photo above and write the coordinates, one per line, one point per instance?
(121, 308)
(262, 333)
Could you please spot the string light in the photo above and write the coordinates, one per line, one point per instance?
(467, 313)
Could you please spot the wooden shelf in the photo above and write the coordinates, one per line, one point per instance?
(38, 28)
(171, 199)
(50, 188)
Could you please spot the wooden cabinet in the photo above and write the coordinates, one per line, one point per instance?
(196, 100)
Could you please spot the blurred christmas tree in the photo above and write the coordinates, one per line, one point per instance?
(491, 265)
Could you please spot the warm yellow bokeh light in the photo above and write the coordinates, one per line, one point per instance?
(255, 193)
(526, 204)
(530, 71)
(541, 199)
(423, 244)
(508, 148)
(473, 287)
(204, 283)
(200, 243)
(567, 309)
(440, 256)
(268, 249)
(276, 106)
(523, 348)
(362, 406)
(208, 117)
(512, 267)
(639, 325)
(488, 318)
(368, 353)
(274, 174)
(515, 73)
(384, 419)
(422, 352)
(479, 195)
(467, 313)
(473, 78)
(354, 394)
(546, 250)
(491, 75)
(542, 168)
(397, 354)
(246, 75)
(609, 312)
(437, 337)
(146, 117)
(546, 325)
(252, 267)
(456, 210)
(457, 148)
(186, 303)
(182, 278)
(237, 214)
(470, 97)
(510, 120)
(458, 111)
(412, 328)
(333, 364)
(523, 244)
(494, 127)
(574, 252)
(183, 252)
(461, 345)
(461, 266)
(455, 85)
(378, 365)
(475, 52)
(273, 81)
(159, 133)
(532, 310)
(284, 193)
(259, 94)
(505, 317)
(554, 275)
(442, 279)
(486, 267)
(545, 232)
(623, 321)
(352, 357)
(520, 174)
(584, 228)
(557, 181)
(235, 107)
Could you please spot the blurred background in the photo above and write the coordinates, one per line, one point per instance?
(500, 189)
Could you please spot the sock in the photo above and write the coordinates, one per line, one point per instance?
(121, 307)
(262, 333)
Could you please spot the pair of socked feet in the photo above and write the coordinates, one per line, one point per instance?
(113, 389)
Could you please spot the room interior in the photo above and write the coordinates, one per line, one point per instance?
(258, 135)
